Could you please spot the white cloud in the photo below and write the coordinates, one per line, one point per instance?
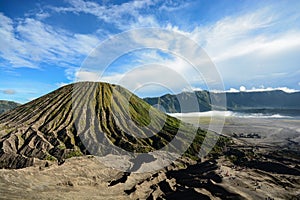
(233, 90)
(10, 47)
(70, 73)
(262, 89)
(257, 89)
(242, 35)
(145, 78)
(195, 89)
(31, 98)
(171, 6)
(112, 78)
(149, 67)
(248, 46)
(124, 16)
(42, 15)
(61, 84)
(87, 76)
(151, 77)
(284, 89)
(29, 42)
(243, 89)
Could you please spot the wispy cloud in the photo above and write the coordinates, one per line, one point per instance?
(29, 42)
(252, 44)
(124, 16)
(61, 84)
(246, 34)
(8, 91)
(171, 6)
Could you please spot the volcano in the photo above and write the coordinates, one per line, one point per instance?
(90, 118)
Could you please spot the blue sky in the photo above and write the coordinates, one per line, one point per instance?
(255, 45)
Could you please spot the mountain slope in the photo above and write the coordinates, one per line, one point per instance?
(273, 101)
(7, 105)
(55, 127)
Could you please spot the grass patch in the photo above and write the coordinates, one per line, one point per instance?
(50, 158)
(62, 146)
(74, 153)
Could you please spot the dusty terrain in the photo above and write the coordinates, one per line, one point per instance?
(87, 178)
(283, 132)
(273, 156)
(45, 158)
(266, 166)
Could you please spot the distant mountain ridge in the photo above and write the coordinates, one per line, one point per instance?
(7, 105)
(268, 101)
